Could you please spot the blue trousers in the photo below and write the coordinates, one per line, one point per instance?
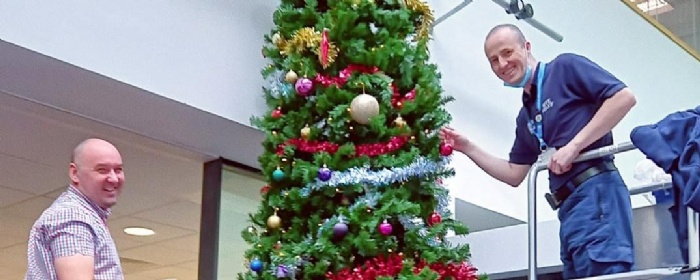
(596, 228)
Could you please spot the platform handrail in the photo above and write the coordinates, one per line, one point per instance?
(542, 163)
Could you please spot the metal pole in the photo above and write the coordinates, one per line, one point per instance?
(532, 198)
(693, 243)
(532, 221)
(452, 12)
(546, 30)
(536, 24)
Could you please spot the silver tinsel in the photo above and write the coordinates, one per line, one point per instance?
(278, 87)
(364, 175)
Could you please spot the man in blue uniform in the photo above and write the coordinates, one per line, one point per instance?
(570, 106)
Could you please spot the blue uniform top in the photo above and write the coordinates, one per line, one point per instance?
(574, 89)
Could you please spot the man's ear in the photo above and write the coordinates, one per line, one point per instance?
(528, 47)
(73, 173)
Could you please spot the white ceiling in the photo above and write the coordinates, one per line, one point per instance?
(162, 190)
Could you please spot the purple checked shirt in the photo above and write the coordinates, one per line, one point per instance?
(72, 225)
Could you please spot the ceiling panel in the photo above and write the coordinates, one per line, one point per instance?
(30, 208)
(169, 273)
(10, 196)
(159, 255)
(162, 232)
(15, 226)
(183, 214)
(188, 243)
(34, 177)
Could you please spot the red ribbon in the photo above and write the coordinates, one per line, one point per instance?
(345, 74)
(324, 48)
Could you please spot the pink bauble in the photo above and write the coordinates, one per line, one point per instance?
(304, 86)
(385, 228)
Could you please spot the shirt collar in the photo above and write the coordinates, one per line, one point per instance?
(103, 213)
(529, 98)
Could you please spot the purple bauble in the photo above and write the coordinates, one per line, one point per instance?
(281, 271)
(385, 228)
(304, 86)
(324, 173)
(340, 230)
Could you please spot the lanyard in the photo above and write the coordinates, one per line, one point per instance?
(536, 124)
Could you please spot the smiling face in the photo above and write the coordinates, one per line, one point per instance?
(97, 172)
(508, 53)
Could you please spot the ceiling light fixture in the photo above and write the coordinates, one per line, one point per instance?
(525, 12)
(653, 7)
(139, 231)
(519, 8)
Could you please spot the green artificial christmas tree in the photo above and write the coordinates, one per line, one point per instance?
(351, 153)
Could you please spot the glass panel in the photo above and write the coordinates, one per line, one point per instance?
(240, 195)
(680, 17)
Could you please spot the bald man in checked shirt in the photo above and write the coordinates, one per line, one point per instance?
(70, 240)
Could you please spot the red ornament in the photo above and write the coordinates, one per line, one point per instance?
(410, 95)
(445, 149)
(277, 113)
(264, 190)
(434, 219)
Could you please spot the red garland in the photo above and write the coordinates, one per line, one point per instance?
(393, 264)
(370, 150)
(396, 96)
(345, 74)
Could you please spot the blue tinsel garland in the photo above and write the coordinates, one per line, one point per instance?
(364, 175)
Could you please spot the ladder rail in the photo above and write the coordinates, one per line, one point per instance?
(541, 164)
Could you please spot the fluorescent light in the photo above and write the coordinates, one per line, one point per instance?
(139, 231)
(653, 7)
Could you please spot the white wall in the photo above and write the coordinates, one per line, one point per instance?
(661, 74)
(207, 55)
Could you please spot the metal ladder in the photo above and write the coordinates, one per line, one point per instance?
(655, 273)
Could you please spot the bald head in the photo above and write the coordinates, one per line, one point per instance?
(87, 145)
(512, 29)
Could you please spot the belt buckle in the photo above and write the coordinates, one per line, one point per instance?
(552, 200)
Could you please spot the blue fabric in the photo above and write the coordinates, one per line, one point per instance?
(573, 89)
(596, 228)
(674, 145)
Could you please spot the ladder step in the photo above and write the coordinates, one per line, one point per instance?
(654, 273)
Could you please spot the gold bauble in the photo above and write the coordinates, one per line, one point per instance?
(276, 38)
(305, 132)
(291, 77)
(274, 221)
(364, 107)
(399, 122)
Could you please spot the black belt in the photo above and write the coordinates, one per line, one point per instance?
(557, 197)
